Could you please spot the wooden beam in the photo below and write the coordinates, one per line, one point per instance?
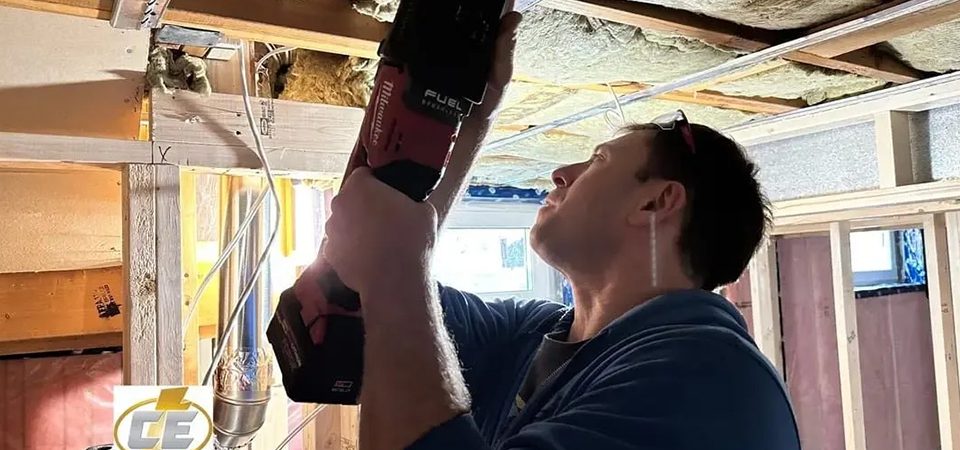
(864, 224)
(191, 276)
(45, 148)
(943, 326)
(192, 130)
(894, 154)
(922, 198)
(930, 93)
(848, 340)
(761, 105)
(727, 34)
(685, 23)
(332, 26)
(765, 301)
(152, 275)
(886, 31)
(64, 310)
(325, 25)
(94, 9)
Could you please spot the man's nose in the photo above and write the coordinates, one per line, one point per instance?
(566, 175)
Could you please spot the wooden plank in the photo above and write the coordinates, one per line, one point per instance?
(885, 32)
(933, 92)
(91, 87)
(58, 344)
(169, 275)
(865, 224)
(127, 14)
(139, 275)
(937, 196)
(46, 148)
(655, 17)
(94, 9)
(63, 310)
(728, 34)
(894, 154)
(336, 428)
(325, 25)
(275, 426)
(848, 341)
(191, 276)
(866, 62)
(152, 275)
(191, 130)
(765, 302)
(762, 105)
(943, 327)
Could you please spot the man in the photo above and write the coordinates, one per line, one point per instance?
(648, 358)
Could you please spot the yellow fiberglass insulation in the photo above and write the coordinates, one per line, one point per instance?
(317, 77)
(933, 49)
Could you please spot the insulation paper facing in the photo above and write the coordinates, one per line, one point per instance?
(832, 161)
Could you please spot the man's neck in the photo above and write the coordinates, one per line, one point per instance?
(598, 301)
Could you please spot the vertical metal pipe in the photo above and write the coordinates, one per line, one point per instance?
(244, 374)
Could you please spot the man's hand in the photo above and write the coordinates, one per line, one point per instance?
(502, 71)
(475, 127)
(378, 237)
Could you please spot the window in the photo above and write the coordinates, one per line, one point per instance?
(485, 249)
(874, 257)
(887, 258)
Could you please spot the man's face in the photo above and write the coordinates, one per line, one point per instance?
(586, 216)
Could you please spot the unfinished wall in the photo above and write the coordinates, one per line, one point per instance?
(838, 160)
(935, 137)
(92, 85)
(896, 358)
(59, 219)
(57, 402)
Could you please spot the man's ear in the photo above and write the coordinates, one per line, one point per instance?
(669, 199)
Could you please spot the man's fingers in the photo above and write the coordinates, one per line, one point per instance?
(506, 44)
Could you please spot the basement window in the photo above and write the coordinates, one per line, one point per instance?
(887, 259)
(485, 249)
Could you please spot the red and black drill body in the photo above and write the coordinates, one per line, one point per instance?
(434, 67)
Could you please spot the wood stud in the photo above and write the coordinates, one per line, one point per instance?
(943, 318)
(152, 334)
(848, 341)
(765, 301)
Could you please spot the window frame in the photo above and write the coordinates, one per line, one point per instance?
(873, 278)
(492, 215)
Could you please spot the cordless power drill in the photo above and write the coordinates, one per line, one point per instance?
(434, 67)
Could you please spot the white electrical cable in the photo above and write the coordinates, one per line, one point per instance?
(303, 423)
(261, 154)
(272, 53)
(230, 247)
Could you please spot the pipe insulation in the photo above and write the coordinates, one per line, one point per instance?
(245, 372)
(734, 65)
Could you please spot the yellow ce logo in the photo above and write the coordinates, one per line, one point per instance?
(170, 423)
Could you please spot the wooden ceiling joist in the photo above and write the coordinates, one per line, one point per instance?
(738, 37)
(324, 25)
(332, 26)
(886, 31)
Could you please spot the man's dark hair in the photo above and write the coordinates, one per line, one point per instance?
(726, 213)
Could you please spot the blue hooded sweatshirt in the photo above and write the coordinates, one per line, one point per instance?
(679, 372)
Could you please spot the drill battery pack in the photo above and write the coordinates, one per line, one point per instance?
(434, 67)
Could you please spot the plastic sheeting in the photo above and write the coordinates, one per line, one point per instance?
(57, 402)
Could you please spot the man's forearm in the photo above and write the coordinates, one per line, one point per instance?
(465, 153)
(412, 381)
